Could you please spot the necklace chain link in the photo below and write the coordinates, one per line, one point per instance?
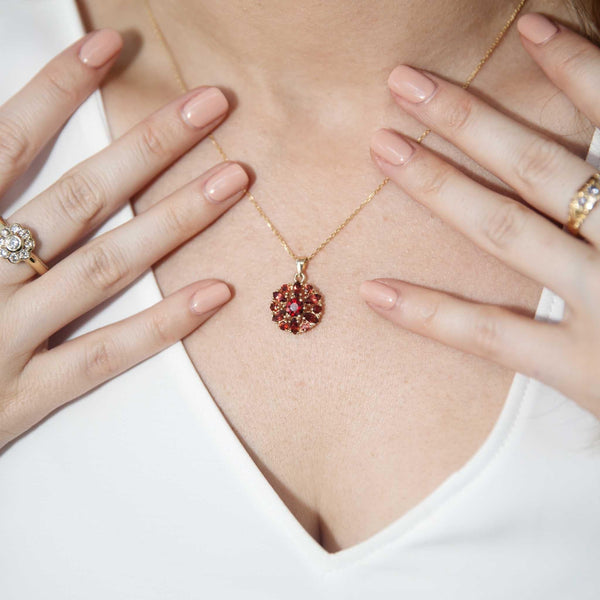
(184, 88)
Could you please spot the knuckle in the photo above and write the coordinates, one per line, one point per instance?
(62, 84)
(15, 405)
(433, 180)
(486, 332)
(538, 162)
(161, 330)
(80, 198)
(428, 311)
(14, 146)
(177, 222)
(104, 266)
(456, 115)
(154, 139)
(505, 223)
(11, 331)
(102, 359)
(573, 63)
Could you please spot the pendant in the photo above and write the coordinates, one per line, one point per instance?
(297, 307)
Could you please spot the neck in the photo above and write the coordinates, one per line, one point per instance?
(292, 47)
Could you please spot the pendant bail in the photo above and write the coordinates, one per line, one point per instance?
(300, 265)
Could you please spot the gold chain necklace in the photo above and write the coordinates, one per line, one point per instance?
(297, 307)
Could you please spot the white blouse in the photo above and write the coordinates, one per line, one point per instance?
(141, 490)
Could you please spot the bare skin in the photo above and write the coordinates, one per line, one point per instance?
(357, 422)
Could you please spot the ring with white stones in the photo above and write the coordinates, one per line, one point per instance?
(582, 203)
(17, 244)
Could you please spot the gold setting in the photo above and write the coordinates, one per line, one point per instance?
(582, 203)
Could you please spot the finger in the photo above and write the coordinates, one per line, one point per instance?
(66, 372)
(501, 226)
(569, 60)
(32, 116)
(514, 341)
(86, 195)
(105, 265)
(542, 171)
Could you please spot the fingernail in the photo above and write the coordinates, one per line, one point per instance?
(410, 84)
(209, 297)
(536, 28)
(205, 107)
(100, 47)
(378, 294)
(227, 182)
(391, 147)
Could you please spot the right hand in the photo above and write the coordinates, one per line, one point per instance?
(35, 380)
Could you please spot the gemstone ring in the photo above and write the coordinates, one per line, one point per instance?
(582, 203)
(17, 244)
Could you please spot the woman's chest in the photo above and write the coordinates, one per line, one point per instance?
(355, 422)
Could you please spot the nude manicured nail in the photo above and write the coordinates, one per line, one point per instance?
(100, 47)
(205, 107)
(410, 84)
(391, 147)
(536, 28)
(378, 294)
(209, 297)
(226, 183)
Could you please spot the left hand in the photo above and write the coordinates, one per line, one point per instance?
(565, 355)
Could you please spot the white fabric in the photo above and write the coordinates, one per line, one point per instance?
(140, 489)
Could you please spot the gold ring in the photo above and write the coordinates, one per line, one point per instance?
(17, 244)
(583, 202)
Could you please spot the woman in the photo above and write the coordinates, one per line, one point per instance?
(415, 443)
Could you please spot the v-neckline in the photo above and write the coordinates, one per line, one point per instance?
(549, 308)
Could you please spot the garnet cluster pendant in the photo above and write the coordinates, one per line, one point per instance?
(297, 307)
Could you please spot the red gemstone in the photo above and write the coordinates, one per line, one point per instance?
(297, 307)
(293, 306)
